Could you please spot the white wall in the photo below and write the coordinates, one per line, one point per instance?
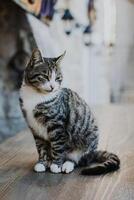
(92, 72)
(122, 69)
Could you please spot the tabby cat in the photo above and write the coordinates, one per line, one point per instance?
(64, 129)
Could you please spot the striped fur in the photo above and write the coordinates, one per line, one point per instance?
(63, 126)
(108, 162)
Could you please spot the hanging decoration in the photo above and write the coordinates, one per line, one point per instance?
(87, 35)
(92, 18)
(45, 10)
(68, 21)
(91, 12)
(67, 18)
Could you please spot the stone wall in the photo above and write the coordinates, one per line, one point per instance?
(14, 36)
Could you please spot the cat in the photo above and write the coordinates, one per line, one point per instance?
(62, 124)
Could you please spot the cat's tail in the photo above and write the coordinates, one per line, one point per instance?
(104, 162)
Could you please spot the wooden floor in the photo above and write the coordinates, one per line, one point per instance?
(18, 155)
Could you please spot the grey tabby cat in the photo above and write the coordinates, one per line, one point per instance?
(62, 124)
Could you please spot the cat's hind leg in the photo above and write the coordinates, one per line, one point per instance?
(68, 166)
(71, 161)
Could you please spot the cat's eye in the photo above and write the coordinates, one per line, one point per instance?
(46, 77)
(42, 78)
(58, 78)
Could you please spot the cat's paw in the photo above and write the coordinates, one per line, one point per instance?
(68, 167)
(39, 167)
(55, 168)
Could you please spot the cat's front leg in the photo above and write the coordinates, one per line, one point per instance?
(57, 160)
(57, 151)
(41, 145)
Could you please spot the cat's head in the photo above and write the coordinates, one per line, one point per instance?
(44, 74)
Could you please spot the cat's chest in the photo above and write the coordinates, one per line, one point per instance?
(39, 128)
(30, 100)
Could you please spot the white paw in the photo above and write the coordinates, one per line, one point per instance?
(39, 167)
(68, 167)
(55, 168)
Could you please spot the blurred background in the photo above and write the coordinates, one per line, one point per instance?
(98, 36)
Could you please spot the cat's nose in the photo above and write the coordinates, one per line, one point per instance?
(52, 88)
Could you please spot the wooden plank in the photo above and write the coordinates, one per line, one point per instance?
(18, 155)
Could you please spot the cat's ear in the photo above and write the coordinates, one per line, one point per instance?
(59, 58)
(36, 57)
